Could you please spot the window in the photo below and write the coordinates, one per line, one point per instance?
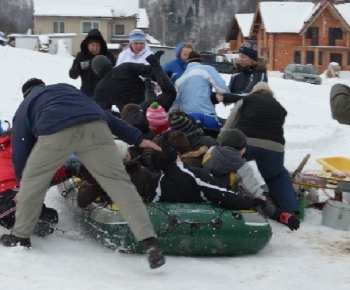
(58, 27)
(310, 57)
(320, 58)
(297, 57)
(262, 34)
(312, 33)
(334, 33)
(119, 29)
(348, 62)
(87, 26)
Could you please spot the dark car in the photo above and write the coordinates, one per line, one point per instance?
(220, 62)
(302, 73)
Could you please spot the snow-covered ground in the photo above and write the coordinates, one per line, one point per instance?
(314, 257)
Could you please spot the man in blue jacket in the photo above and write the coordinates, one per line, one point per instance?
(54, 122)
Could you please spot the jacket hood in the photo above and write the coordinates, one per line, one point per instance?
(178, 48)
(223, 160)
(93, 34)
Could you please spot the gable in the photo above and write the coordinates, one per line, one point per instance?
(285, 17)
(245, 22)
(86, 8)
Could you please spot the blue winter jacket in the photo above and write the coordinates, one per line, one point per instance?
(49, 109)
(177, 66)
(195, 86)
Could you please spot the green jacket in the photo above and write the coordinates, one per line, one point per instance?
(340, 103)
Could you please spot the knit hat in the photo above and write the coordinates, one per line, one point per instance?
(122, 147)
(261, 86)
(156, 115)
(233, 138)
(29, 84)
(101, 64)
(194, 57)
(250, 48)
(137, 35)
(181, 123)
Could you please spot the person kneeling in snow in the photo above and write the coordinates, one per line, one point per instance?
(178, 184)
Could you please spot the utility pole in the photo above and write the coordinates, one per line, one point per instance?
(165, 13)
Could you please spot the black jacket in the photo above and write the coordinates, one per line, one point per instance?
(244, 79)
(262, 117)
(89, 78)
(122, 85)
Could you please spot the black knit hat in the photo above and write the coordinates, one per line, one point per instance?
(182, 124)
(194, 57)
(101, 64)
(29, 84)
(249, 48)
(233, 138)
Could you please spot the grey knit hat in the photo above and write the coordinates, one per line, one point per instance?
(233, 138)
(101, 64)
(181, 123)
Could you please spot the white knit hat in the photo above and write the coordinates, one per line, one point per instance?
(122, 148)
(261, 86)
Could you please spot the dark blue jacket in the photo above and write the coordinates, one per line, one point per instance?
(49, 109)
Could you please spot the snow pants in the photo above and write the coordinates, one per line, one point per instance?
(93, 143)
(271, 167)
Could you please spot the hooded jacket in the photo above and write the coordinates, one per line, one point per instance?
(340, 103)
(227, 165)
(176, 67)
(129, 56)
(89, 78)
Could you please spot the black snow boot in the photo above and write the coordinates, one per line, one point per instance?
(154, 254)
(13, 241)
(43, 229)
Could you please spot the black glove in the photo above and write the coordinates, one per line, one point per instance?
(85, 64)
(161, 159)
(287, 219)
(213, 99)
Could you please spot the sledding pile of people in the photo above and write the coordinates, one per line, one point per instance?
(160, 147)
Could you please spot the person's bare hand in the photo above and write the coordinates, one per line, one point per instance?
(149, 144)
(219, 98)
(15, 199)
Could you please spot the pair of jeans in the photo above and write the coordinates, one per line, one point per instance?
(271, 166)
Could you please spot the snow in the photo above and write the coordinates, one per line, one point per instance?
(86, 8)
(245, 22)
(344, 10)
(314, 257)
(143, 21)
(285, 16)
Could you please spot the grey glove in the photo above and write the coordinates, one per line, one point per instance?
(85, 64)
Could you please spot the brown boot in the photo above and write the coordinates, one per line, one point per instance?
(13, 241)
(153, 252)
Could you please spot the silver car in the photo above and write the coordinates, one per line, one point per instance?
(302, 73)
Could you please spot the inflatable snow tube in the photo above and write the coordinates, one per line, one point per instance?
(196, 229)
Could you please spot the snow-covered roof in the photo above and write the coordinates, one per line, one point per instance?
(344, 11)
(151, 40)
(143, 21)
(86, 8)
(285, 17)
(245, 22)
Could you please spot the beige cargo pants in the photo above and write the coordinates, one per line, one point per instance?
(94, 144)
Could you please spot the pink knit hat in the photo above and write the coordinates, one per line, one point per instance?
(156, 115)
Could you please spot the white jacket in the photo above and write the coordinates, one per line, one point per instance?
(129, 56)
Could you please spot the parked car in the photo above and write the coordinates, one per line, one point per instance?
(220, 62)
(302, 73)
